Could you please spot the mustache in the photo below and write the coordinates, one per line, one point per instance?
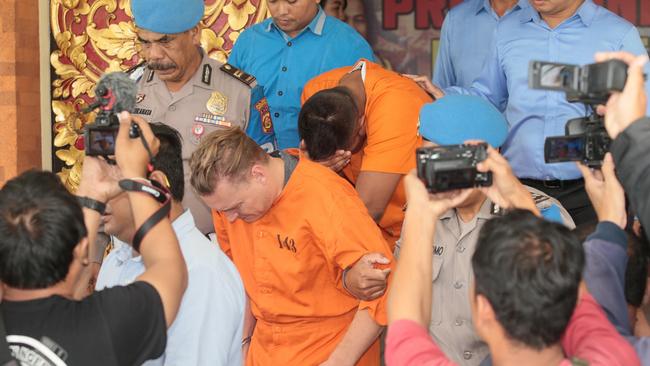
(160, 66)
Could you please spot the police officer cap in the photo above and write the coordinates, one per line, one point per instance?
(454, 119)
(167, 16)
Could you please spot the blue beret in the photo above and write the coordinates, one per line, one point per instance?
(454, 119)
(167, 16)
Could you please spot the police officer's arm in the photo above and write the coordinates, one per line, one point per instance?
(376, 190)
(506, 190)
(410, 293)
(165, 266)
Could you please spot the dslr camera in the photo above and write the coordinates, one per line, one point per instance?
(585, 139)
(450, 167)
(115, 93)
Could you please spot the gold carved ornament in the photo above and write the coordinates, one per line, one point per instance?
(97, 36)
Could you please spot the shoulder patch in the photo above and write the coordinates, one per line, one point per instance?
(238, 74)
(206, 76)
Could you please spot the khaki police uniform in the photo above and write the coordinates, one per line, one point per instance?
(213, 98)
(454, 244)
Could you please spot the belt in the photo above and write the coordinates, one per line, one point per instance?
(552, 184)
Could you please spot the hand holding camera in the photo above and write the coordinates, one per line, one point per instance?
(506, 190)
(133, 152)
(605, 192)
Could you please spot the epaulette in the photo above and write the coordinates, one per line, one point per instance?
(238, 74)
(136, 72)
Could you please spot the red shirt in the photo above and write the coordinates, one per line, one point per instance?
(589, 336)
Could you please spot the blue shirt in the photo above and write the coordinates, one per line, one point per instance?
(534, 115)
(282, 65)
(462, 53)
(209, 324)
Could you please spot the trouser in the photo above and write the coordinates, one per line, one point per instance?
(571, 194)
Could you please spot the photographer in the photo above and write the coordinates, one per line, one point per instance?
(208, 328)
(606, 249)
(527, 274)
(43, 248)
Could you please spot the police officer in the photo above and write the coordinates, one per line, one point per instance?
(181, 86)
(454, 120)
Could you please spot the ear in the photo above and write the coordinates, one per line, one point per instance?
(160, 177)
(485, 316)
(259, 173)
(362, 125)
(302, 146)
(80, 251)
(195, 33)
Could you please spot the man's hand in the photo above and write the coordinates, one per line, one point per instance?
(99, 180)
(418, 198)
(337, 162)
(605, 192)
(506, 190)
(426, 84)
(627, 106)
(130, 154)
(364, 281)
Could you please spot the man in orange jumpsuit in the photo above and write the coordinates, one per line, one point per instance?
(386, 135)
(291, 227)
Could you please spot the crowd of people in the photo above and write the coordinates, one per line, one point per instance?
(267, 211)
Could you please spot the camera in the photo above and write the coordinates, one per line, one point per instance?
(450, 167)
(590, 84)
(585, 139)
(115, 93)
(100, 136)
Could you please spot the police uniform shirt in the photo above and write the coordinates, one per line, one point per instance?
(213, 98)
(455, 241)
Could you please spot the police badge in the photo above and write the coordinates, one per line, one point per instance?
(217, 104)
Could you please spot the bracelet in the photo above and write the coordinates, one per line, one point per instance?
(345, 271)
(246, 341)
(92, 204)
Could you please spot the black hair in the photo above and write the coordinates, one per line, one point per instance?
(529, 270)
(327, 121)
(636, 272)
(40, 225)
(169, 159)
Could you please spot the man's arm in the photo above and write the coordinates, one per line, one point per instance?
(165, 266)
(376, 190)
(361, 334)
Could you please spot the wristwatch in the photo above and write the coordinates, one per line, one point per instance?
(92, 204)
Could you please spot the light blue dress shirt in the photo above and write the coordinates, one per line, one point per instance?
(534, 115)
(465, 41)
(282, 65)
(209, 324)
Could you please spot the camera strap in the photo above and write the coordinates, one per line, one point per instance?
(160, 194)
(6, 359)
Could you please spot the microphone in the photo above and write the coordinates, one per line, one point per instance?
(115, 91)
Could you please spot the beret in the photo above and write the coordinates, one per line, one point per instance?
(454, 119)
(167, 16)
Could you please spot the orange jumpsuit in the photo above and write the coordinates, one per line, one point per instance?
(291, 261)
(392, 111)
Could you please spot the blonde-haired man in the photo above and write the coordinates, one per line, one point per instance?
(292, 227)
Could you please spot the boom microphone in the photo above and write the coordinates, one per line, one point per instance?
(117, 92)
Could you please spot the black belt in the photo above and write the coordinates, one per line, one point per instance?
(552, 184)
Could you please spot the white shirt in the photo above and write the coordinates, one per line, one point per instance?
(208, 327)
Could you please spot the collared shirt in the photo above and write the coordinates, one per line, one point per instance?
(454, 244)
(283, 64)
(208, 327)
(292, 261)
(534, 115)
(210, 100)
(462, 54)
(392, 108)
